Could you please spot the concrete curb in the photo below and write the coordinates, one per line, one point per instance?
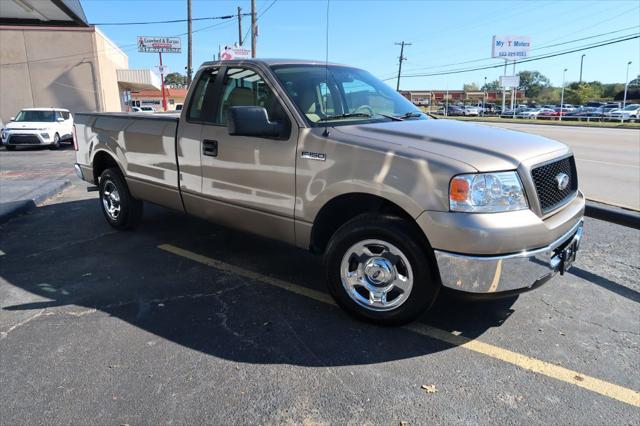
(613, 214)
(14, 208)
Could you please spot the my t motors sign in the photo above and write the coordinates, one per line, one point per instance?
(510, 48)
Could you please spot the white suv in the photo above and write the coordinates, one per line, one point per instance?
(38, 127)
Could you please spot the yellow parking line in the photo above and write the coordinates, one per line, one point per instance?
(593, 384)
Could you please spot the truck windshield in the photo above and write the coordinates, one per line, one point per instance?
(31, 116)
(339, 95)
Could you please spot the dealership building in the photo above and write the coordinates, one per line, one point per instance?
(51, 57)
(438, 97)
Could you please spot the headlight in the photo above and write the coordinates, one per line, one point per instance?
(487, 193)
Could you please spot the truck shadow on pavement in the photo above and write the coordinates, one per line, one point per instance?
(71, 262)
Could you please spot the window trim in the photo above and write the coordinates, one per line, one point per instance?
(216, 89)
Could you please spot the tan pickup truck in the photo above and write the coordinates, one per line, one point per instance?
(330, 159)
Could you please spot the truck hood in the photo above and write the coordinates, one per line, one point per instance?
(483, 147)
(28, 125)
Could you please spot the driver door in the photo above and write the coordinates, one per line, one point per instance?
(249, 182)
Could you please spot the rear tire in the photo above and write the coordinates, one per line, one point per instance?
(380, 269)
(121, 210)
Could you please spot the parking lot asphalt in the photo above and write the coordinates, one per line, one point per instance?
(182, 321)
(30, 175)
(608, 160)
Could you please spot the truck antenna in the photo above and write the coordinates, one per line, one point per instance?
(326, 71)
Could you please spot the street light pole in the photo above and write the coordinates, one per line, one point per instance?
(626, 86)
(484, 97)
(581, 61)
(562, 95)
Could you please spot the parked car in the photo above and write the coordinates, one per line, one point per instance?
(629, 112)
(135, 109)
(530, 113)
(471, 111)
(147, 109)
(545, 113)
(38, 127)
(454, 110)
(399, 204)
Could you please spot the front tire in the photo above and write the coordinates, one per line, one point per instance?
(121, 210)
(379, 269)
(56, 142)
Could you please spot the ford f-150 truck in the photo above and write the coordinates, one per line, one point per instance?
(330, 159)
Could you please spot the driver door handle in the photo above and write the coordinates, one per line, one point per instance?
(210, 148)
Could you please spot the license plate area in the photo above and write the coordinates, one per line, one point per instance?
(568, 256)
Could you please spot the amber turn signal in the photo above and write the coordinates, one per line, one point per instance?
(459, 189)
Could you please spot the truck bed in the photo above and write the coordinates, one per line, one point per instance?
(144, 146)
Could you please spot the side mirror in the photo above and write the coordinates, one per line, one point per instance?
(251, 121)
(60, 119)
(12, 119)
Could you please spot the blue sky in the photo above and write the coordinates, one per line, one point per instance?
(363, 33)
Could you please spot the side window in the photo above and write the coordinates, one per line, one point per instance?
(201, 107)
(65, 115)
(245, 87)
(58, 115)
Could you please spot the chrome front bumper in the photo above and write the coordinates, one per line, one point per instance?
(512, 272)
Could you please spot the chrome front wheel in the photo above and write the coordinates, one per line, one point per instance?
(376, 275)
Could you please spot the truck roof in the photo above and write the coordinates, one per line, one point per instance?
(272, 61)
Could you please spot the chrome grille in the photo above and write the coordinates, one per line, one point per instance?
(544, 179)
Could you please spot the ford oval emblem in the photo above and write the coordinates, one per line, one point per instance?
(562, 179)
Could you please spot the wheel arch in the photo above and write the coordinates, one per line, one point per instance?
(344, 207)
(103, 160)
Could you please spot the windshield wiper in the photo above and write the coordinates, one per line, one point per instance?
(348, 115)
(410, 114)
(392, 117)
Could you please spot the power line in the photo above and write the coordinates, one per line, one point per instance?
(172, 21)
(537, 58)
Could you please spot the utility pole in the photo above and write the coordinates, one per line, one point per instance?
(402, 58)
(189, 44)
(239, 26)
(581, 61)
(254, 28)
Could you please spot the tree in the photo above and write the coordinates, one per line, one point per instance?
(470, 87)
(491, 86)
(175, 79)
(579, 93)
(532, 82)
(549, 95)
(611, 90)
